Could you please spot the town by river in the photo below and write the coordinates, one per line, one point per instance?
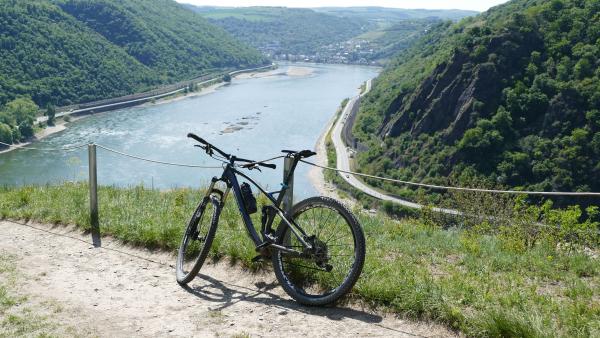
(251, 117)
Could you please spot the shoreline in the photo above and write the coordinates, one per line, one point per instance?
(316, 175)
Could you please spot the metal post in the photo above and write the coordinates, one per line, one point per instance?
(288, 198)
(93, 181)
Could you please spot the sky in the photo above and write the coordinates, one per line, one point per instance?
(477, 5)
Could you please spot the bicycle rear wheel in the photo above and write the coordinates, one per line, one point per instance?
(197, 239)
(331, 269)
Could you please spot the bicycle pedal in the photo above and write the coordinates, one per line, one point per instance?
(258, 258)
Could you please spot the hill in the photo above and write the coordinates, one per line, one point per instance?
(390, 39)
(71, 51)
(510, 97)
(281, 30)
(49, 55)
(172, 41)
(334, 35)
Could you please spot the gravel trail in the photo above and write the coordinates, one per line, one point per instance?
(120, 291)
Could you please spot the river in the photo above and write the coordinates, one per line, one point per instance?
(251, 117)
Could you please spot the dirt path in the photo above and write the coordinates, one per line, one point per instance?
(118, 291)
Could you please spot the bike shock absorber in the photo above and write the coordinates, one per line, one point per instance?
(267, 216)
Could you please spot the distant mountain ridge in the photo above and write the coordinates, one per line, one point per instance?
(331, 35)
(394, 14)
(293, 30)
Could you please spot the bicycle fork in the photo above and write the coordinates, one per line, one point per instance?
(222, 195)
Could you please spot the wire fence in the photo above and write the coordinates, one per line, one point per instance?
(386, 179)
(416, 184)
(26, 147)
(156, 161)
(441, 187)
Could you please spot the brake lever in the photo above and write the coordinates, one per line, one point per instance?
(252, 166)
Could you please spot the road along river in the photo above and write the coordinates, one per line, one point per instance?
(254, 117)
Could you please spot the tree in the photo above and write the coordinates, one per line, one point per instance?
(5, 134)
(26, 129)
(227, 78)
(51, 113)
(22, 109)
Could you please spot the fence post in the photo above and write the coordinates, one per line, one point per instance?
(93, 181)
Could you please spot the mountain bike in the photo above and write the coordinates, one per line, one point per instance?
(317, 249)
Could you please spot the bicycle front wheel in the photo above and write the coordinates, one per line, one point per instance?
(197, 239)
(327, 272)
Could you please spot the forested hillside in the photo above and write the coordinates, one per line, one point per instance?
(60, 52)
(50, 56)
(172, 41)
(511, 97)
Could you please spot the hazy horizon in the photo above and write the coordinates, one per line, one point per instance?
(473, 5)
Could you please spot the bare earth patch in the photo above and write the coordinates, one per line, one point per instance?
(119, 291)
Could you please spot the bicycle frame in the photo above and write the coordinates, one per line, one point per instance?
(229, 177)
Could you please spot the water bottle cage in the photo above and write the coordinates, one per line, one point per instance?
(248, 198)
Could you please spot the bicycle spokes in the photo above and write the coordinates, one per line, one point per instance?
(331, 255)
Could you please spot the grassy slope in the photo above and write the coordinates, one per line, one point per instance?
(482, 285)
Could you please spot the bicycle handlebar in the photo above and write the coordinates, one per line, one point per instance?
(209, 147)
(197, 138)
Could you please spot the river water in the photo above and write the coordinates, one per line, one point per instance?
(253, 118)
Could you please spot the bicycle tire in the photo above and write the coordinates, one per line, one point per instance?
(302, 286)
(183, 276)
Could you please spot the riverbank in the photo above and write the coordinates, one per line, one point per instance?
(51, 130)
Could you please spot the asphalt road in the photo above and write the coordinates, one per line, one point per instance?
(343, 159)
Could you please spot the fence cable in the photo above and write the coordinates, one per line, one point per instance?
(156, 161)
(440, 187)
(70, 148)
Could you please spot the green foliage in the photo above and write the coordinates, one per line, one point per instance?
(162, 35)
(16, 120)
(51, 114)
(69, 51)
(510, 96)
(5, 134)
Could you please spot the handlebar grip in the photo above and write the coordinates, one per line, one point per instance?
(197, 138)
(268, 165)
(307, 153)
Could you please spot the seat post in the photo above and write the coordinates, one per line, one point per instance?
(288, 180)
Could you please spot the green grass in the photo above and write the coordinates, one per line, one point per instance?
(477, 283)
